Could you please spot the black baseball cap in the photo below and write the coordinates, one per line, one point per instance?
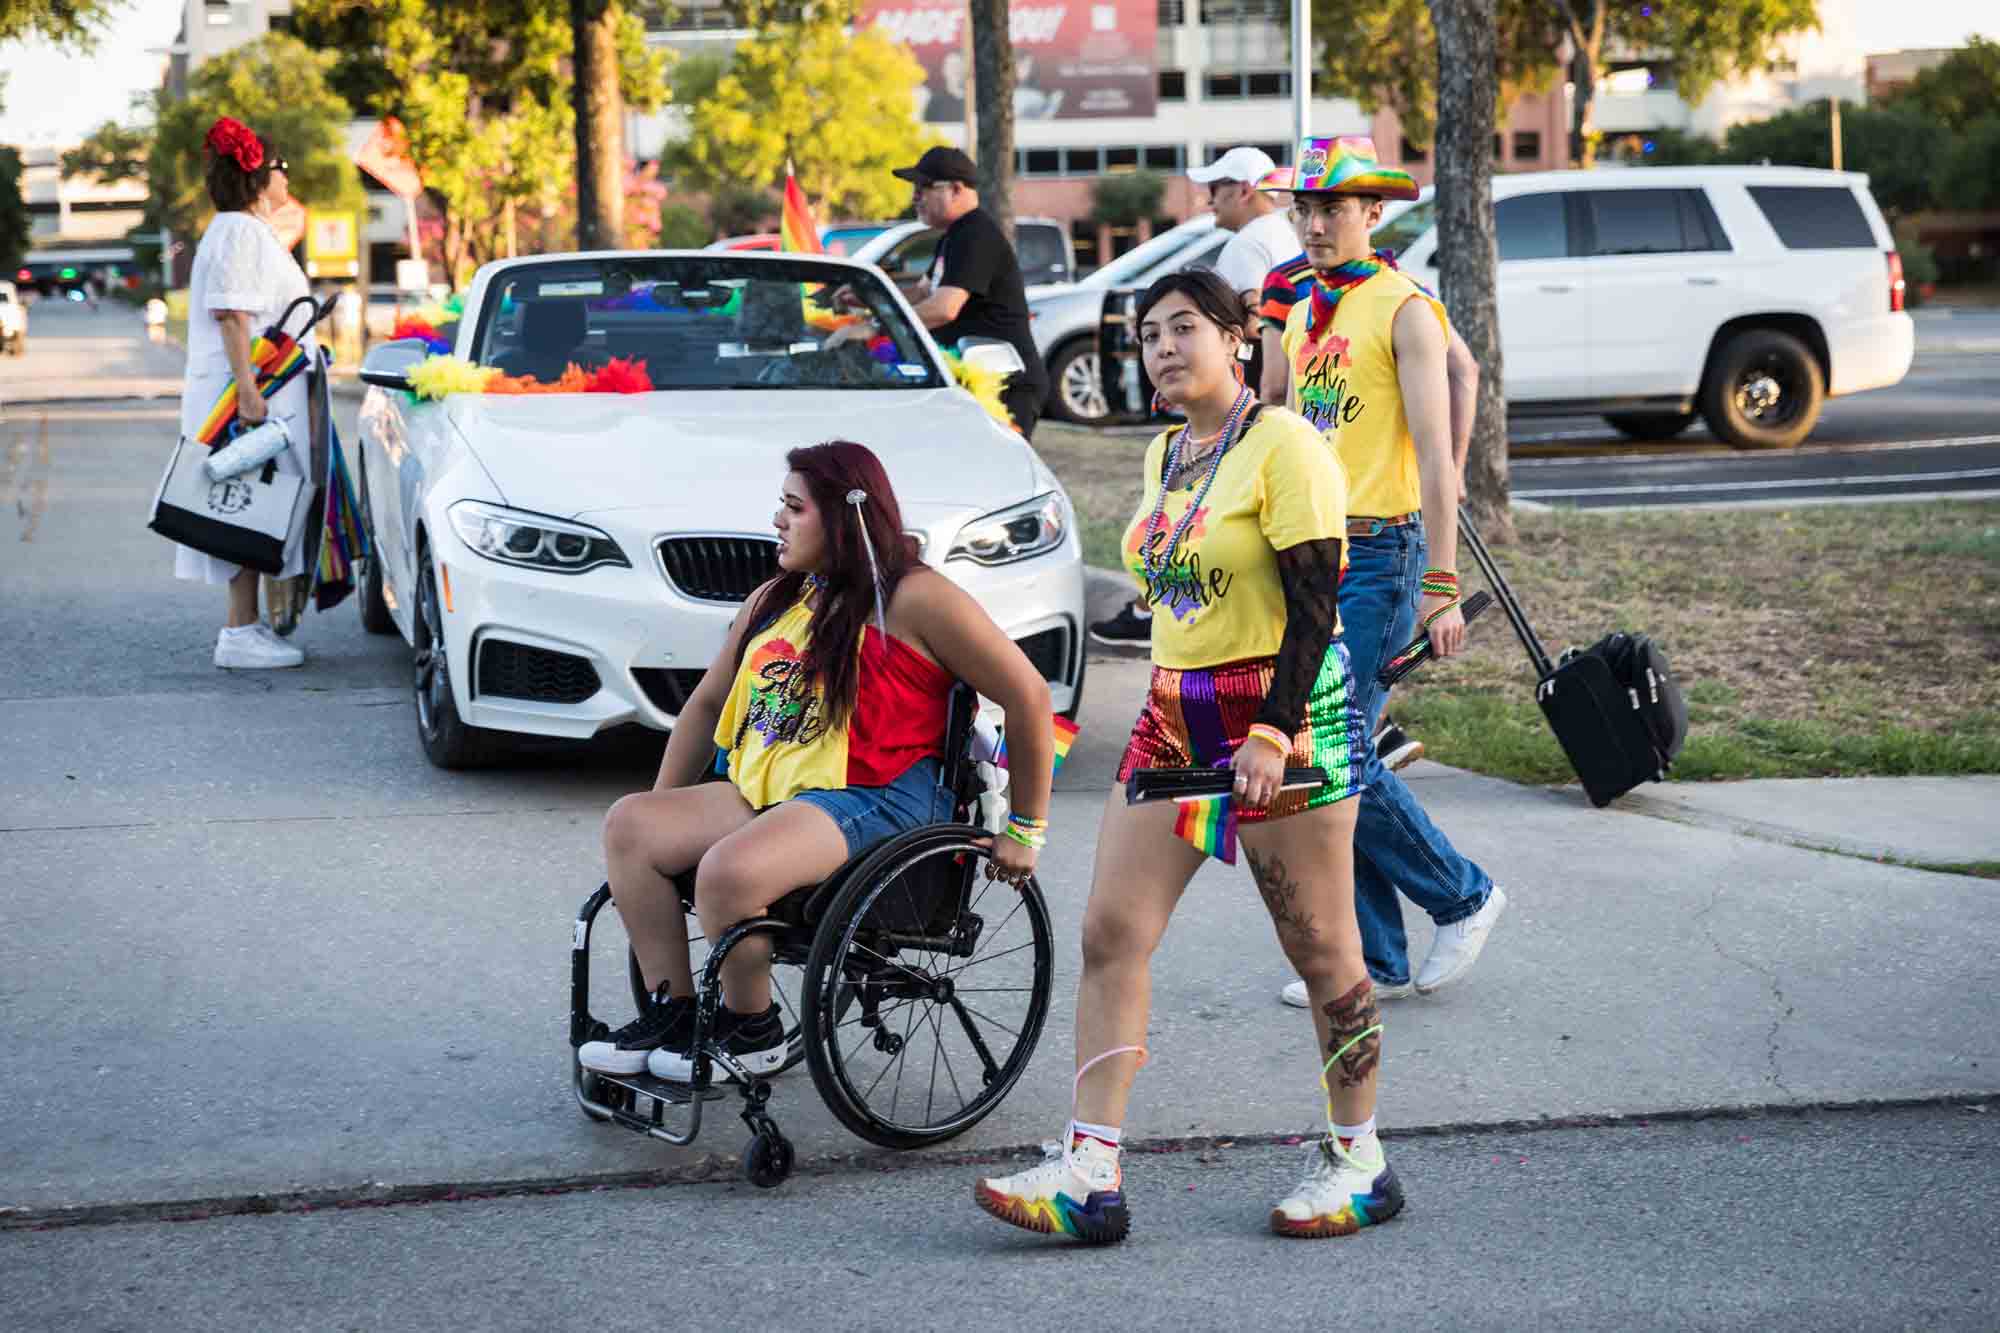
(941, 164)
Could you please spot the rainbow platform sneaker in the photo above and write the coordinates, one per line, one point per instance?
(1074, 1193)
(1346, 1189)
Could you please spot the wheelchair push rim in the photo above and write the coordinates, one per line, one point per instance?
(926, 990)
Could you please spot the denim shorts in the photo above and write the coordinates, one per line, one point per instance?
(867, 815)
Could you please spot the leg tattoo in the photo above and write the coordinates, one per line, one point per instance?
(1281, 896)
(1355, 1039)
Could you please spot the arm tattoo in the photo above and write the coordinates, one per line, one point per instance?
(1281, 896)
(1350, 1016)
(1310, 576)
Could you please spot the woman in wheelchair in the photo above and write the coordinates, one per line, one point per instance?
(1238, 543)
(827, 704)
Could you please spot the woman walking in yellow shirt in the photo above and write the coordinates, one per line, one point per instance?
(1238, 543)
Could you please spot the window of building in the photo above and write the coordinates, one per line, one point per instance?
(1650, 222)
(1041, 162)
(1814, 217)
(1173, 85)
(1527, 145)
(1081, 162)
(1123, 157)
(1498, 154)
(1173, 13)
(1412, 153)
(1222, 87)
(218, 13)
(1166, 157)
(1281, 153)
(1268, 83)
(1531, 226)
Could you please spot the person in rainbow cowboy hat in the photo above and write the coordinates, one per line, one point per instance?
(1367, 350)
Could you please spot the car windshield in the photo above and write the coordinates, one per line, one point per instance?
(720, 321)
(1400, 231)
(1144, 256)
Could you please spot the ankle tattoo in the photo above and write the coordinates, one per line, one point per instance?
(1355, 1036)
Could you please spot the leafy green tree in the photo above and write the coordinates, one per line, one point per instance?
(112, 153)
(277, 86)
(842, 108)
(737, 209)
(1127, 198)
(683, 228)
(1384, 52)
(1663, 148)
(1961, 91)
(1898, 146)
(76, 24)
(15, 227)
(1969, 176)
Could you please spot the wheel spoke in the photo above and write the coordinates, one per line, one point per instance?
(1012, 1032)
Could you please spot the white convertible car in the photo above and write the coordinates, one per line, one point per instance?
(565, 563)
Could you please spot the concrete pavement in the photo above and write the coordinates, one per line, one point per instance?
(75, 352)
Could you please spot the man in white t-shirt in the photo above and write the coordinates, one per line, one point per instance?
(1263, 239)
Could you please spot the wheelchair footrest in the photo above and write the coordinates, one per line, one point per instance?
(665, 1090)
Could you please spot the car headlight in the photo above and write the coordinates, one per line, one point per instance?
(1015, 533)
(536, 541)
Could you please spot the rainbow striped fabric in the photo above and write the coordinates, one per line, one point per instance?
(277, 363)
(1065, 736)
(797, 232)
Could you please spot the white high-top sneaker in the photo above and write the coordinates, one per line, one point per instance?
(1345, 1190)
(1077, 1193)
(253, 648)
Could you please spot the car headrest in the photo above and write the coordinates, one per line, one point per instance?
(553, 327)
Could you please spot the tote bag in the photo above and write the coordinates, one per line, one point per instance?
(243, 519)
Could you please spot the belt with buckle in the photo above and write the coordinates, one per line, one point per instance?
(1373, 527)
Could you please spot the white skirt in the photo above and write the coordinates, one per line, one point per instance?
(290, 406)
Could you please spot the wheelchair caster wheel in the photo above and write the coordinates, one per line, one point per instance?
(767, 1159)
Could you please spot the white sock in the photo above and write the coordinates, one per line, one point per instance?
(1353, 1132)
(1147, 614)
(1107, 1134)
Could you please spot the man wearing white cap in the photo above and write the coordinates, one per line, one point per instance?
(1263, 239)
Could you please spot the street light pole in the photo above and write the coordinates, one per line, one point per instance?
(1833, 114)
(1301, 71)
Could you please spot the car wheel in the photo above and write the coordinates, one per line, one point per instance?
(447, 741)
(1763, 390)
(1079, 381)
(1650, 425)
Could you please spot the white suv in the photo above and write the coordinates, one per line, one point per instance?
(13, 321)
(1746, 295)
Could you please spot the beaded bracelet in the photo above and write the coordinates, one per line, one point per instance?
(1028, 821)
(1271, 736)
(1034, 841)
(1440, 583)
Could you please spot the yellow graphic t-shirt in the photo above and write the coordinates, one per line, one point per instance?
(773, 725)
(1216, 596)
(1344, 382)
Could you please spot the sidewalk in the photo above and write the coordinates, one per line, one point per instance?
(75, 353)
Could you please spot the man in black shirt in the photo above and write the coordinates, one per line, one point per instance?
(974, 288)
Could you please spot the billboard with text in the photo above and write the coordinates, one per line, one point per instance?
(1073, 59)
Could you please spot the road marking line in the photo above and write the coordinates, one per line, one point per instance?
(1810, 451)
(1773, 484)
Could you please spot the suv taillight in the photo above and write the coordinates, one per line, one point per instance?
(1896, 285)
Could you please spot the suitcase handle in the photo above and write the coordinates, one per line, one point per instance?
(1537, 655)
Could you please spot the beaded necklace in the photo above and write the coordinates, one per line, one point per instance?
(1243, 400)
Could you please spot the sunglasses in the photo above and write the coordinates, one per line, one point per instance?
(279, 164)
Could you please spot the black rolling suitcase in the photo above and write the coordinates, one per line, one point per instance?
(1613, 706)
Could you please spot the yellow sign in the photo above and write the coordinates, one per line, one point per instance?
(332, 245)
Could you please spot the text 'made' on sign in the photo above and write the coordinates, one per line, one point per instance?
(1073, 60)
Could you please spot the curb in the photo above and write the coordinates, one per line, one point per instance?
(723, 1166)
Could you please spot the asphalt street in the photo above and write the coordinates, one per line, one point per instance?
(1878, 1221)
(255, 952)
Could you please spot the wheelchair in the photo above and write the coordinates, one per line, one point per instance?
(913, 987)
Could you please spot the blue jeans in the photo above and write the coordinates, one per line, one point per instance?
(1395, 844)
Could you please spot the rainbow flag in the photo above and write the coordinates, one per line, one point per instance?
(1065, 736)
(797, 233)
(1209, 826)
(277, 361)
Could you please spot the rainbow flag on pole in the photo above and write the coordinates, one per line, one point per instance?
(1065, 736)
(797, 232)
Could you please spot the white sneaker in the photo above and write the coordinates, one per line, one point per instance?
(1457, 945)
(1345, 1190)
(244, 649)
(1294, 993)
(1078, 1193)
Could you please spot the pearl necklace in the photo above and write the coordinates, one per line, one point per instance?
(1243, 400)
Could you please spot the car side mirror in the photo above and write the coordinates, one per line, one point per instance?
(387, 365)
(992, 354)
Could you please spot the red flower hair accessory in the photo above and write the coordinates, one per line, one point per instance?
(233, 139)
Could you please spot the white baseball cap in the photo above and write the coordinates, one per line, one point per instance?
(1245, 164)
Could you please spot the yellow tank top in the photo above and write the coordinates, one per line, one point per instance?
(773, 725)
(1344, 382)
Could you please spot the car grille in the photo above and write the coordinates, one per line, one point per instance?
(668, 689)
(516, 671)
(1049, 651)
(718, 569)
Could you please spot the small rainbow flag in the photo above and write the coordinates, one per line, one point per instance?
(1065, 736)
(1209, 826)
(276, 364)
(797, 233)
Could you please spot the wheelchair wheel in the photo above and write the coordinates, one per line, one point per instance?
(784, 989)
(926, 989)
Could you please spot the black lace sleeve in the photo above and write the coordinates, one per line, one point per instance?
(1310, 573)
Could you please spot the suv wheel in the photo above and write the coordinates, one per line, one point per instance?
(1763, 390)
(1079, 381)
(1650, 425)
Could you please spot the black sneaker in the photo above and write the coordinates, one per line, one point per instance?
(666, 1019)
(1127, 629)
(1395, 749)
(756, 1042)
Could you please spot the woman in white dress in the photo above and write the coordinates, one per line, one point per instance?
(241, 283)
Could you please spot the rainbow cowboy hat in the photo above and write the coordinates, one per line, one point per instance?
(1344, 165)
